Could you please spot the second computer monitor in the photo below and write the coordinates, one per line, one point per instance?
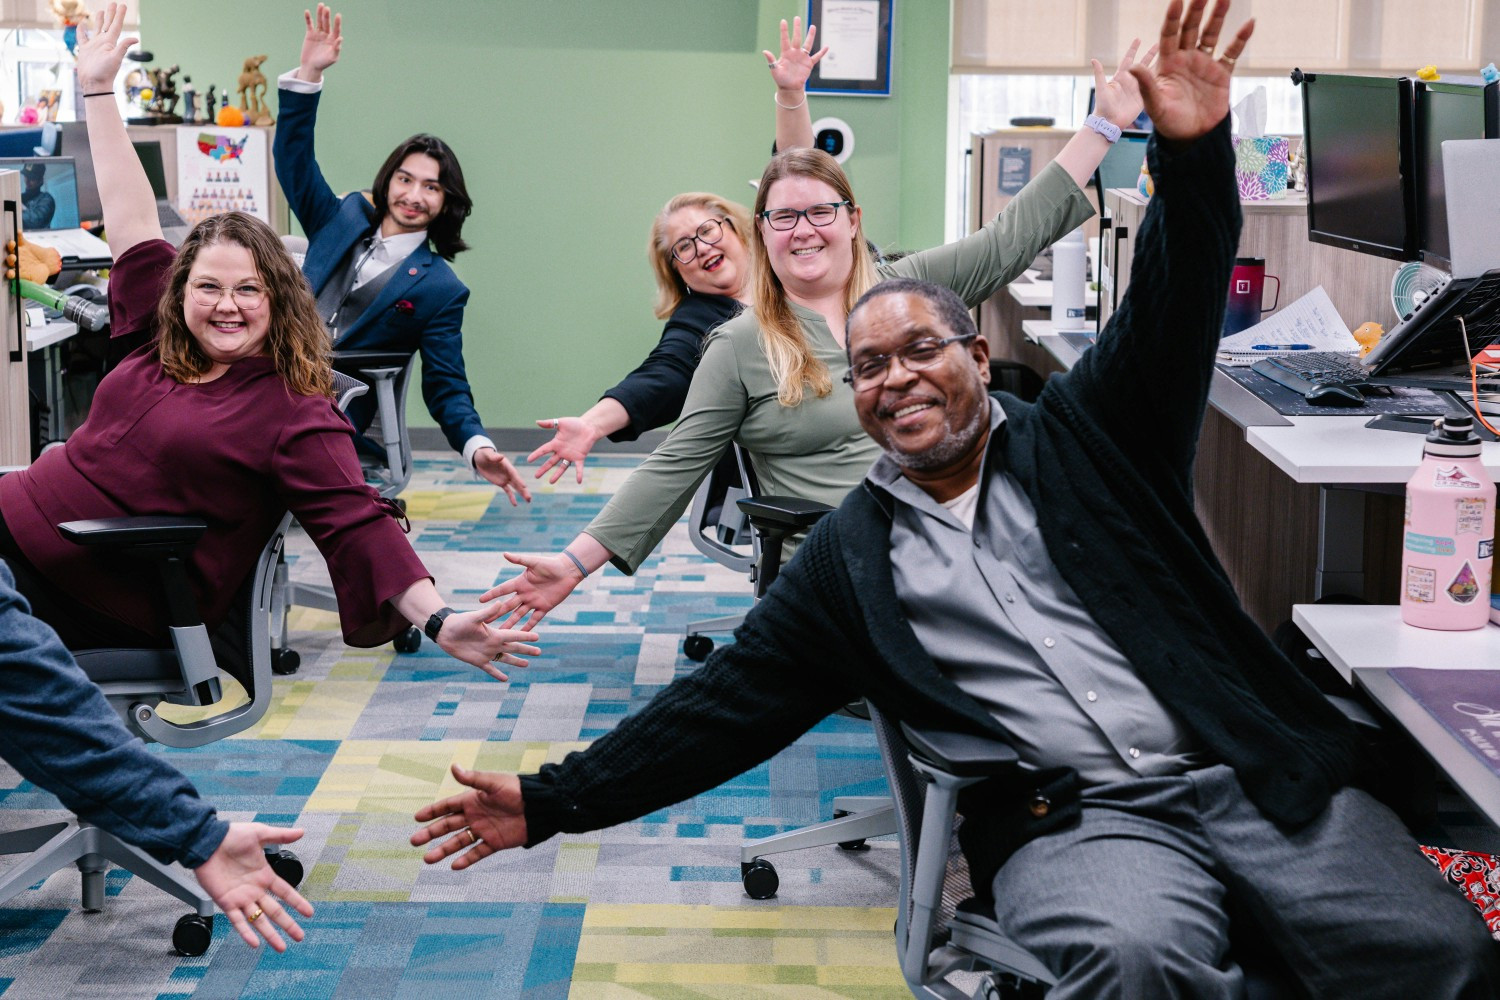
(1358, 143)
(1446, 110)
(1121, 166)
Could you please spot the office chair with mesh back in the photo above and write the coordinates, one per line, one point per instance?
(855, 817)
(138, 681)
(942, 931)
(387, 467)
(721, 531)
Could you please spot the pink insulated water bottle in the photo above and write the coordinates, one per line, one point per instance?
(1450, 532)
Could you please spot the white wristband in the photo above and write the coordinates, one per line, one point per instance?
(1104, 127)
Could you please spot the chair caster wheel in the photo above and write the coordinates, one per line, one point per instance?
(850, 845)
(285, 661)
(409, 641)
(760, 878)
(697, 647)
(193, 934)
(287, 866)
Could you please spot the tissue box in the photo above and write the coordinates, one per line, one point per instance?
(1260, 166)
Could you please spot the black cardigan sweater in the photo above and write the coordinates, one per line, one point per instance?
(1105, 455)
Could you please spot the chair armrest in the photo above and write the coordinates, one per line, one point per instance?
(794, 513)
(1352, 710)
(960, 754)
(126, 532)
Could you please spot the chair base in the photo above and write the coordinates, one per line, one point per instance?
(856, 818)
(56, 845)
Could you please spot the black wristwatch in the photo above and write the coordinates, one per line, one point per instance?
(435, 623)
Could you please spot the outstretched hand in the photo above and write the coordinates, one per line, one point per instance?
(99, 56)
(323, 41)
(470, 637)
(240, 881)
(1187, 93)
(498, 470)
(546, 583)
(489, 817)
(792, 70)
(572, 440)
(1118, 98)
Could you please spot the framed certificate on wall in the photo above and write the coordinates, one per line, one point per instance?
(858, 36)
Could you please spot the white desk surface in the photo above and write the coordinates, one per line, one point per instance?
(1031, 292)
(1373, 635)
(55, 332)
(1342, 450)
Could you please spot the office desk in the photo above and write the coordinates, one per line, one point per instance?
(1296, 507)
(1363, 643)
(48, 339)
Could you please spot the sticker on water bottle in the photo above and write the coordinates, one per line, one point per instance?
(1465, 587)
(1421, 585)
(1470, 517)
(1429, 545)
(1454, 478)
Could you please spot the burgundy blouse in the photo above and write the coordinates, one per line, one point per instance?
(238, 451)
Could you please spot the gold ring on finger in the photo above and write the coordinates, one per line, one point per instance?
(255, 916)
(472, 839)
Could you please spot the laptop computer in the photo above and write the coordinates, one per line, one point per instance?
(174, 227)
(1431, 345)
(49, 210)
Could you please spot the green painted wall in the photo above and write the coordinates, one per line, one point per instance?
(575, 121)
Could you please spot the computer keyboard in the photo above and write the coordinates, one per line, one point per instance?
(1322, 378)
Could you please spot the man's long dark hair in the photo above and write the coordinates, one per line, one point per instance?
(446, 231)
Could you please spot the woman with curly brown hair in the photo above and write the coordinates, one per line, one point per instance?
(219, 408)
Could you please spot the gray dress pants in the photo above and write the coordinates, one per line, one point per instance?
(1131, 901)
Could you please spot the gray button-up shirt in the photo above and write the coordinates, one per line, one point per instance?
(998, 619)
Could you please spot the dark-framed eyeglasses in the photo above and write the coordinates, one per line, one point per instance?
(708, 234)
(246, 295)
(819, 215)
(917, 356)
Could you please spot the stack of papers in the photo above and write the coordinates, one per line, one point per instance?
(1309, 324)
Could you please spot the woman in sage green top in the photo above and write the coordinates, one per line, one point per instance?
(770, 378)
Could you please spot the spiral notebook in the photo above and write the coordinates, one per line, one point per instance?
(1309, 324)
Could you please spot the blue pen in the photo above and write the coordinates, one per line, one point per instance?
(1282, 347)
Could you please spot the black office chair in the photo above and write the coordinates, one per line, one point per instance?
(721, 531)
(942, 931)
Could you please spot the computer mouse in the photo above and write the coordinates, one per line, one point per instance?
(1334, 395)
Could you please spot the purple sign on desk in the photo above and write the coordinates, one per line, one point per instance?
(1466, 702)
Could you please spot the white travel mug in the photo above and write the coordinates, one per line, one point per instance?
(1069, 277)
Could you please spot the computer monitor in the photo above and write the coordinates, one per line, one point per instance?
(1360, 163)
(149, 153)
(1142, 121)
(1121, 166)
(49, 191)
(1446, 110)
(75, 141)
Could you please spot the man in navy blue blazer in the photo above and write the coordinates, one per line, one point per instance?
(379, 264)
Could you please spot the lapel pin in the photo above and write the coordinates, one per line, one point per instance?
(412, 271)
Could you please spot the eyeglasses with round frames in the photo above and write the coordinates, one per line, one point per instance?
(917, 356)
(819, 215)
(708, 234)
(209, 294)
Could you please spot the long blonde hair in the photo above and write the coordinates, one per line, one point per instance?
(670, 288)
(793, 364)
(297, 340)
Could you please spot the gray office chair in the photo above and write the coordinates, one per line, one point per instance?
(948, 943)
(855, 817)
(721, 531)
(388, 374)
(137, 682)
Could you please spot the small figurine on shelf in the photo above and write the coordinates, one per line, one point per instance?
(210, 103)
(164, 95)
(71, 14)
(189, 101)
(253, 92)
